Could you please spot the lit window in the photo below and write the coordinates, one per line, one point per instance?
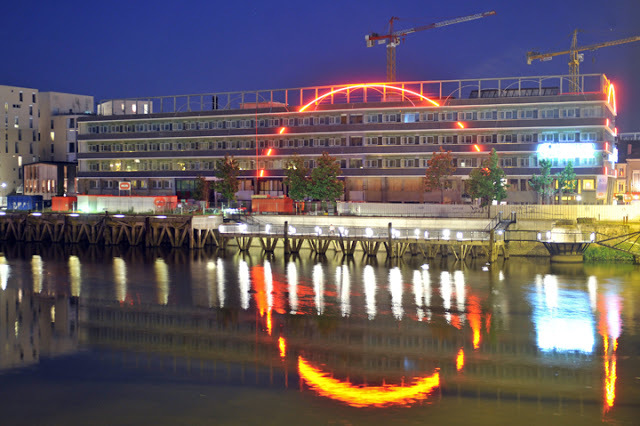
(588, 184)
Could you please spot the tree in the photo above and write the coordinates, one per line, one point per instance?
(487, 182)
(297, 178)
(543, 183)
(324, 183)
(227, 184)
(567, 181)
(439, 168)
(201, 190)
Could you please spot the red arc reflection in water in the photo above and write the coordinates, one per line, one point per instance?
(366, 396)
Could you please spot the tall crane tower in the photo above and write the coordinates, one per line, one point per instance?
(393, 38)
(575, 57)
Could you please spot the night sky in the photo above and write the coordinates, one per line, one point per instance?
(151, 48)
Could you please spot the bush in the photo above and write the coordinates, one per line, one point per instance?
(595, 253)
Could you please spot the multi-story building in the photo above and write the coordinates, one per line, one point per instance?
(19, 139)
(59, 124)
(38, 126)
(382, 135)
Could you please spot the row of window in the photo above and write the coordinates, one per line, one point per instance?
(135, 184)
(343, 141)
(358, 118)
(352, 163)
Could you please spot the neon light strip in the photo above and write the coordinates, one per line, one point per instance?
(358, 396)
(611, 98)
(363, 86)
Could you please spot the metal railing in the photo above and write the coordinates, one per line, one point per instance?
(376, 233)
(290, 99)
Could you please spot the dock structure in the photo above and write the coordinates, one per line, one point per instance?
(196, 232)
(397, 242)
(117, 229)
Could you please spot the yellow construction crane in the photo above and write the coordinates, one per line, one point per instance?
(393, 38)
(575, 57)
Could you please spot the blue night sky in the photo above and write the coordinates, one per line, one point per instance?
(150, 48)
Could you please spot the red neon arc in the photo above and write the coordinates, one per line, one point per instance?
(611, 98)
(365, 85)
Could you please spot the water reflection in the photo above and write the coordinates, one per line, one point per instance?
(362, 345)
(162, 280)
(4, 272)
(74, 275)
(562, 317)
(120, 278)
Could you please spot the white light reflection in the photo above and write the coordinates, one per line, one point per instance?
(458, 280)
(245, 283)
(36, 272)
(563, 318)
(445, 292)
(268, 284)
(74, 275)
(592, 285)
(426, 286)
(162, 280)
(369, 280)
(120, 278)
(4, 273)
(292, 280)
(613, 316)
(343, 288)
(211, 284)
(318, 287)
(221, 283)
(550, 287)
(395, 288)
(418, 291)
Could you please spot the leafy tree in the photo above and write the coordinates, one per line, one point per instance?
(227, 184)
(439, 168)
(201, 190)
(487, 182)
(324, 183)
(297, 178)
(567, 181)
(543, 183)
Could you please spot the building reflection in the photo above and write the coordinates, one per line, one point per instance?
(351, 335)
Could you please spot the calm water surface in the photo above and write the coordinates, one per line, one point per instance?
(92, 335)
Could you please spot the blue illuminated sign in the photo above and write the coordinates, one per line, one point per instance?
(566, 151)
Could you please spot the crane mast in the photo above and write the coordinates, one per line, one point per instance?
(393, 38)
(575, 57)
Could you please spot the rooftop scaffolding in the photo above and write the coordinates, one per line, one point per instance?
(417, 92)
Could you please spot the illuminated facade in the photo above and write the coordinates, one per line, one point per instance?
(37, 126)
(382, 135)
(19, 138)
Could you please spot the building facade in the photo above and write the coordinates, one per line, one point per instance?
(382, 135)
(19, 139)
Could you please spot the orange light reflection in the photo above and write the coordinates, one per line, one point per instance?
(460, 360)
(282, 129)
(477, 148)
(610, 373)
(460, 124)
(269, 151)
(362, 396)
(282, 344)
(365, 85)
(475, 319)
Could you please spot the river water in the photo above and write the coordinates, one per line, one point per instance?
(94, 335)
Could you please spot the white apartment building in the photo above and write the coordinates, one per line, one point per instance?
(18, 135)
(37, 126)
